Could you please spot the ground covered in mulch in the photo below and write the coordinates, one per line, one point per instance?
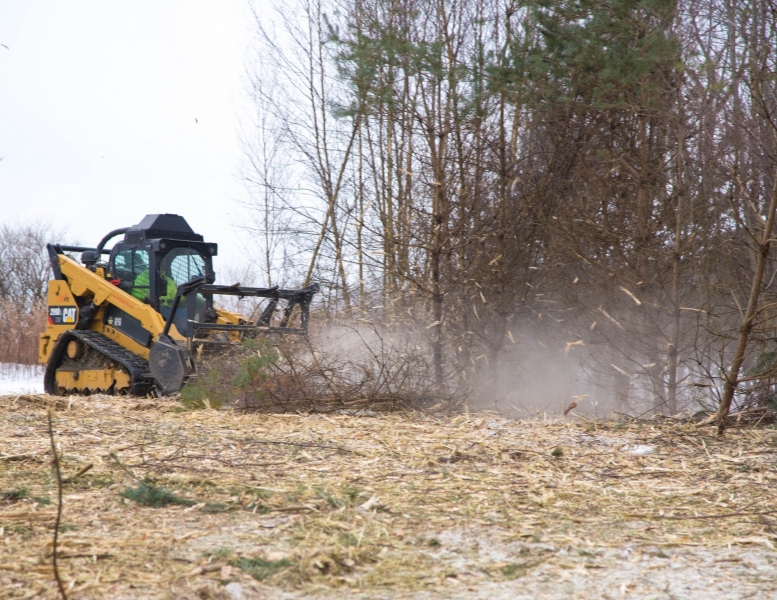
(222, 504)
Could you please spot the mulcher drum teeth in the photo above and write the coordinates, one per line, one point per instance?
(141, 382)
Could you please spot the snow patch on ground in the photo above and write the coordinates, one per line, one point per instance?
(639, 449)
(20, 379)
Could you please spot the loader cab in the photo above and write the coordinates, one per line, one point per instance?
(156, 256)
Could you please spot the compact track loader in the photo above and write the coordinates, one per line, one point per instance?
(139, 322)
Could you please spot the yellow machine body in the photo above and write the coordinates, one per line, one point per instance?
(138, 322)
(62, 315)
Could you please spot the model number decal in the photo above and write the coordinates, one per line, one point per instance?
(63, 315)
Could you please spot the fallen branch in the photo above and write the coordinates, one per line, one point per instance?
(11, 457)
(77, 475)
(303, 445)
(702, 517)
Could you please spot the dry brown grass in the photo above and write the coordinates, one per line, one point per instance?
(397, 503)
(19, 331)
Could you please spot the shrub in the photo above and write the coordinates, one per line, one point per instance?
(230, 376)
(260, 568)
(148, 494)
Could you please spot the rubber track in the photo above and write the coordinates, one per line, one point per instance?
(141, 382)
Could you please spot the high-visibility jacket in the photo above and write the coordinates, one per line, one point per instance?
(140, 288)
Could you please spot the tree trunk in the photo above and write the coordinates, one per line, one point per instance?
(732, 377)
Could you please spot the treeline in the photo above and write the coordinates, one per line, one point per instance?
(24, 275)
(595, 175)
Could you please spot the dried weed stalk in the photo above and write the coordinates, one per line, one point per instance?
(19, 329)
(58, 472)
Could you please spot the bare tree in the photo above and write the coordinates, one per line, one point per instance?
(24, 264)
(25, 271)
(590, 174)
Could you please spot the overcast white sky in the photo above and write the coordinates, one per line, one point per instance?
(110, 110)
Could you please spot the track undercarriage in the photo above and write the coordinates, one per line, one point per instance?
(89, 362)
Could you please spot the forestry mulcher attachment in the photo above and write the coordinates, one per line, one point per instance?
(139, 322)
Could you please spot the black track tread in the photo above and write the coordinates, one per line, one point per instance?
(141, 382)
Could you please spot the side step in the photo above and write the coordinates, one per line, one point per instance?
(141, 382)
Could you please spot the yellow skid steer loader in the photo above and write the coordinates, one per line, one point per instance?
(138, 322)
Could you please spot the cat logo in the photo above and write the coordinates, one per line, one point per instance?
(69, 314)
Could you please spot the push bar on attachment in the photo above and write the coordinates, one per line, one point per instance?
(294, 298)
